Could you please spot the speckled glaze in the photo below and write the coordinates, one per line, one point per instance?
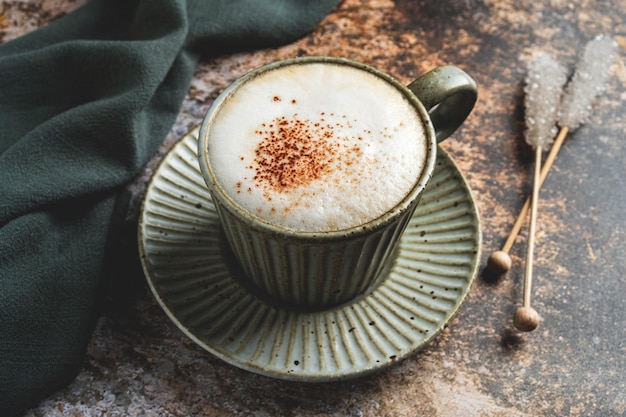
(193, 275)
(317, 270)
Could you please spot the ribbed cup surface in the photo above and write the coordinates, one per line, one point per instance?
(307, 273)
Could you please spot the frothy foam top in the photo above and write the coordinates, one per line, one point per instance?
(317, 147)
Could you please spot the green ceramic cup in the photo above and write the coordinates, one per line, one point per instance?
(315, 270)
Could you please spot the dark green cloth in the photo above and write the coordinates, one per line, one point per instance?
(84, 104)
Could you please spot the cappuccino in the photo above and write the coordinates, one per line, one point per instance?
(316, 147)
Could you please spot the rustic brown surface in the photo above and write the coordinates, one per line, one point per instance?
(139, 363)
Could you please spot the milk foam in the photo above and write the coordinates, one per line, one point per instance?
(317, 147)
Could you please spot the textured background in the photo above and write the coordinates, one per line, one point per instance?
(139, 363)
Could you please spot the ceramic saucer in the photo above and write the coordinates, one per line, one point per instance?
(193, 277)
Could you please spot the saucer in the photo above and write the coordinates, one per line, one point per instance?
(190, 271)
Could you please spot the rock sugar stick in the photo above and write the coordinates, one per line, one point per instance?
(543, 89)
(544, 86)
(589, 80)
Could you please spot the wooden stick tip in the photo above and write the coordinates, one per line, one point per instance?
(499, 263)
(526, 319)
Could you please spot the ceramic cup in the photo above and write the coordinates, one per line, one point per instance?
(319, 269)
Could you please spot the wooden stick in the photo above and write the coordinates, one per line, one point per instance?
(544, 173)
(526, 318)
(500, 262)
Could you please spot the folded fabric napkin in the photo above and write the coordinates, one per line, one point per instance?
(84, 103)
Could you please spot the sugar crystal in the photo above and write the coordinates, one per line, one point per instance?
(589, 80)
(544, 86)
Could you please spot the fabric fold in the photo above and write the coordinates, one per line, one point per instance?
(84, 103)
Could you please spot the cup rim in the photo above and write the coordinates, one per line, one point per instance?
(262, 225)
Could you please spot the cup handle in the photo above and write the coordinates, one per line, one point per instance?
(449, 95)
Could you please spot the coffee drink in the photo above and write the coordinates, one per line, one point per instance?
(316, 165)
(316, 147)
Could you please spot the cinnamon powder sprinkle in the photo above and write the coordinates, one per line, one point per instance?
(294, 152)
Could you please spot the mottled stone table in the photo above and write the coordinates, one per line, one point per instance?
(140, 364)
